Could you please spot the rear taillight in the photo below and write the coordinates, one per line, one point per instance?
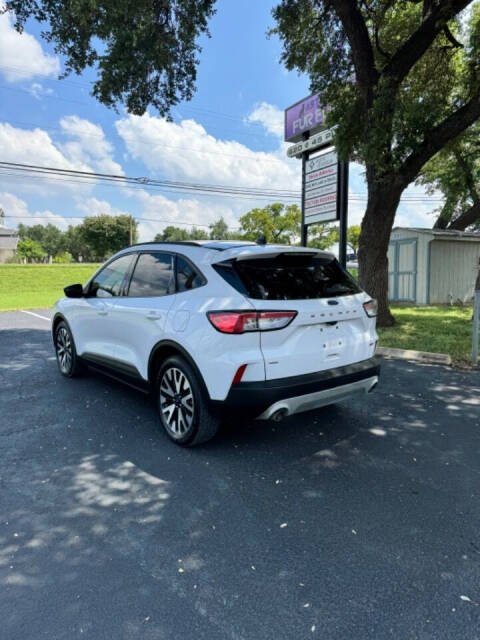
(243, 321)
(370, 308)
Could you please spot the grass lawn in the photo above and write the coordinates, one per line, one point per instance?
(31, 286)
(439, 329)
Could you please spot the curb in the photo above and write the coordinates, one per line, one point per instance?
(419, 356)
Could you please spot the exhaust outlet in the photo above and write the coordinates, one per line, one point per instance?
(279, 415)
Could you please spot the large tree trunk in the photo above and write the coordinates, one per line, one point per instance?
(383, 199)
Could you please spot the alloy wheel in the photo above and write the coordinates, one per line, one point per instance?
(64, 350)
(176, 402)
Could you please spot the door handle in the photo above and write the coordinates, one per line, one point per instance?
(153, 315)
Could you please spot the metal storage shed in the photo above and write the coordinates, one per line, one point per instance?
(432, 266)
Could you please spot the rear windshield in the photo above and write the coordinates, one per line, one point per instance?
(288, 277)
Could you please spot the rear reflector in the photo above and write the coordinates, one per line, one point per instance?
(243, 321)
(370, 308)
(238, 376)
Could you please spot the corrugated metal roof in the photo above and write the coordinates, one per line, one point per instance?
(443, 234)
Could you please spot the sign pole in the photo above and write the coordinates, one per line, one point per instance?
(343, 212)
(303, 232)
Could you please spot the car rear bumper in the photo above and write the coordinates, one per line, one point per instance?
(284, 396)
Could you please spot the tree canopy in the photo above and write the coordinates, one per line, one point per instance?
(94, 239)
(30, 250)
(145, 52)
(401, 79)
(455, 172)
(279, 223)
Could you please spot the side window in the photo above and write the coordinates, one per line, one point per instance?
(187, 277)
(153, 276)
(108, 282)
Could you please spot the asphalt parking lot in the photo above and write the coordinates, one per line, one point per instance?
(357, 521)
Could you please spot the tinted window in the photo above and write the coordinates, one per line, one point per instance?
(108, 282)
(153, 276)
(291, 277)
(187, 277)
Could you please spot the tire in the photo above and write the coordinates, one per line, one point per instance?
(187, 419)
(68, 363)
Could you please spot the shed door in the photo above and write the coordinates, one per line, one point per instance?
(402, 270)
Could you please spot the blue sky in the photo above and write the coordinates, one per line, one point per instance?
(230, 133)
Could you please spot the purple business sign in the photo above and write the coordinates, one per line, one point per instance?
(306, 115)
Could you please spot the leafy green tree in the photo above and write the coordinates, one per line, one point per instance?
(322, 236)
(455, 171)
(49, 237)
(353, 236)
(105, 235)
(76, 246)
(198, 234)
(279, 223)
(402, 79)
(178, 234)
(219, 230)
(31, 250)
(172, 234)
(145, 52)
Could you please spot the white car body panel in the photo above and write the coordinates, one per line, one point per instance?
(310, 343)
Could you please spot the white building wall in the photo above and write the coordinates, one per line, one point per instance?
(453, 270)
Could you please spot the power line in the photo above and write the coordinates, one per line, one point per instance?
(179, 186)
(172, 222)
(144, 187)
(141, 180)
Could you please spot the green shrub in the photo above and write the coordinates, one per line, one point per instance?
(63, 258)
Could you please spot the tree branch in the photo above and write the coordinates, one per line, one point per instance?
(413, 49)
(359, 40)
(436, 138)
(451, 38)
(469, 217)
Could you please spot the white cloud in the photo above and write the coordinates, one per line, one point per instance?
(268, 115)
(186, 151)
(17, 212)
(37, 90)
(32, 146)
(21, 55)
(158, 212)
(88, 145)
(86, 149)
(97, 207)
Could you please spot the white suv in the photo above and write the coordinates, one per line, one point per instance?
(260, 330)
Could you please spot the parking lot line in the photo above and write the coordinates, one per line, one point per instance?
(37, 315)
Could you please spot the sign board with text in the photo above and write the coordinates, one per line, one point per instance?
(321, 139)
(305, 116)
(320, 193)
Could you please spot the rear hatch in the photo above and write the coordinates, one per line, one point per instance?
(330, 329)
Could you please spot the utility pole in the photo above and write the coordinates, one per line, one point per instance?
(131, 231)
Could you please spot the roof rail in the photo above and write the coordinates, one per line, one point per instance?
(191, 243)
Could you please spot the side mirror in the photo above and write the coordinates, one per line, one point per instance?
(74, 291)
